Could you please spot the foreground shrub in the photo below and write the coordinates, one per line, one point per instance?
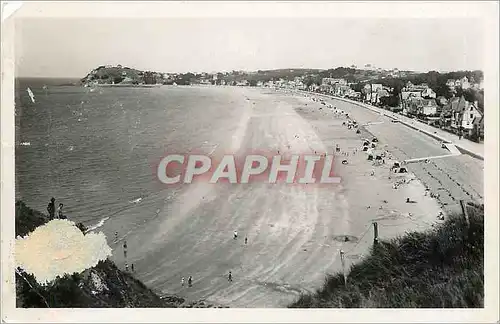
(442, 267)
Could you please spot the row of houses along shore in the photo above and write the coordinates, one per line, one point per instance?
(455, 114)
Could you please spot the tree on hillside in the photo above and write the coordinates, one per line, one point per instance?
(358, 87)
(391, 101)
(310, 80)
(340, 72)
(442, 89)
(472, 95)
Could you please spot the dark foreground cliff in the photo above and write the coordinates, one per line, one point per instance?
(101, 286)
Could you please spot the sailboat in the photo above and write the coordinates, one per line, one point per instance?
(32, 96)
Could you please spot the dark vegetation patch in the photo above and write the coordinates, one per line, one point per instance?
(440, 268)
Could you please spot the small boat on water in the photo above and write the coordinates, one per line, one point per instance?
(30, 93)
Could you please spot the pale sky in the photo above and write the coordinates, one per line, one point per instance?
(58, 47)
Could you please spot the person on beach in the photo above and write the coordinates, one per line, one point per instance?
(190, 281)
(51, 208)
(230, 277)
(60, 212)
(235, 235)
(246, 240)
(182, 282)
(125, 249)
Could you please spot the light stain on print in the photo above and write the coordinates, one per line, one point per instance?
(58, 248)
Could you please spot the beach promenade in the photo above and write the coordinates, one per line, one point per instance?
(464, 145)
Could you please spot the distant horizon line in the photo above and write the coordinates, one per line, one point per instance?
(247, 71)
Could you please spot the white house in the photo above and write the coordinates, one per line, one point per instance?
(450, 83)
(127, 80)
(464, 83)
(313, 87)
(429, 107)
(469, 114)
(376, 87)
(328, 81)
(428, 93)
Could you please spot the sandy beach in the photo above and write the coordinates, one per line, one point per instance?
(295, 233)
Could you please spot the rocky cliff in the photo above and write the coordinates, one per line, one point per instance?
(101, 286)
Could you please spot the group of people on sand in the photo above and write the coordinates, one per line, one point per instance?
(51, 209)
(229, 275)
(235, 236)
(190, 280)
